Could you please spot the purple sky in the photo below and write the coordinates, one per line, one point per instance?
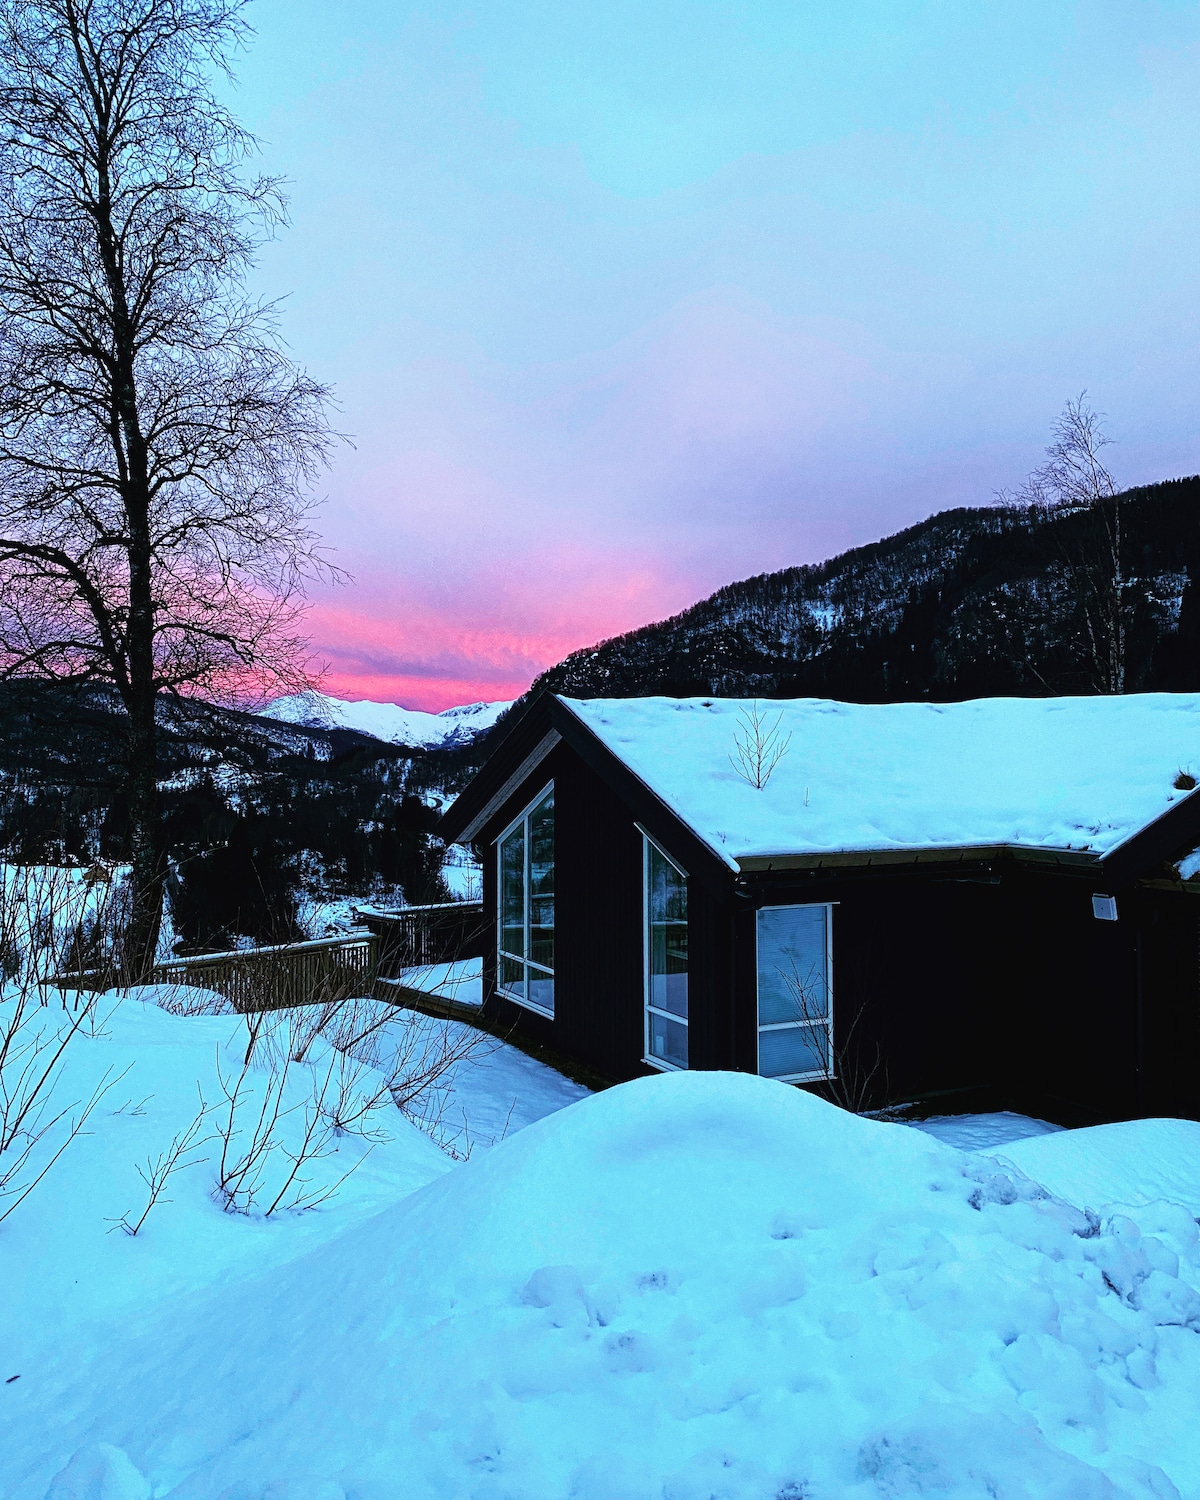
(625, 302)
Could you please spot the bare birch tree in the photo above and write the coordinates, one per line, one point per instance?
(156, 442)
(1074, 478)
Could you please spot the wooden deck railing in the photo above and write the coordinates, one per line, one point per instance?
(409, 937)
(282, 975)
(314, 973)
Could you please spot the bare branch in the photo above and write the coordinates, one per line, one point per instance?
(157, 445)
(758, 746)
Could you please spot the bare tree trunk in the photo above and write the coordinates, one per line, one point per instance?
(1118, 599)
(146, 844)
(156, 443)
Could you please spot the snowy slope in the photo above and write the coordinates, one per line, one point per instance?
(691, 1286)
(1055, 773)
(65, 1264)
(387, 721)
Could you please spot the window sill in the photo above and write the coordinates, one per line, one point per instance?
(663, 1066)
(537, 1010)
(803, 1078)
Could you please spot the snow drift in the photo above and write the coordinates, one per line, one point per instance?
(1131, 1163)
(692, 1286)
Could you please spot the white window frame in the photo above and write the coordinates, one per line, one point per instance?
(501, 953)
(648, 1010)
(822, 1074)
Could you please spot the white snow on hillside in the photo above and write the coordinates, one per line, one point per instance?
(1052, 773)
(387, 721)
(687, 1287)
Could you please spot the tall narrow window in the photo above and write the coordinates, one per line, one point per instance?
(666, 949)
(525, 969)
(795, 992)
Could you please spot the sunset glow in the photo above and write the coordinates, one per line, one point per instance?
(608, 334)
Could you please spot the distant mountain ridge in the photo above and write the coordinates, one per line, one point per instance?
(969, 603)
(263, 819)
(388, 722)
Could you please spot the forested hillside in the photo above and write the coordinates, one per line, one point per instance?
(261, 817)
(1001, 600)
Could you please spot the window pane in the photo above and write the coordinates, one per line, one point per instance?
(668, 937)
(793, 964)
(512, 892)
(541, 930)
(541, 990)
(793, 1049)
(541, 882)
(541, 846)
(668, 1040)
(512, 976)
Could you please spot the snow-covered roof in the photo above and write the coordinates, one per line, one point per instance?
(1080, 774)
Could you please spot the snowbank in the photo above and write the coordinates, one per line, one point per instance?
(692, 1286)
(1133, 1163)
(461, 980)
(65, 1262)
(1061, 773)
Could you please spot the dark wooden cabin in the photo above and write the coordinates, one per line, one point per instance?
(977, 905)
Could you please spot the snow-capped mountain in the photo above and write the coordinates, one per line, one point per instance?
(388, 721)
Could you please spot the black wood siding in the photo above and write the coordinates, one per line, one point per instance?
(598, 979)
(597, 920)
(999, 991)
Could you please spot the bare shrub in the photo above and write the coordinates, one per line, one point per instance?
(406, 1059)
(758, 746)
(363, 1060)
(852, 1082)
(157, 1172)
(38, 1023)
(191, 1000)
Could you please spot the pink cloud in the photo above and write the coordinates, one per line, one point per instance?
(418, 647)
(497, 519)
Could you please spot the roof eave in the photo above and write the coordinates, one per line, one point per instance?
(1171, 835)
(958, 855)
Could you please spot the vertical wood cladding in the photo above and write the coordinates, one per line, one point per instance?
(598, 936)
(598, 1007)
(999, 987)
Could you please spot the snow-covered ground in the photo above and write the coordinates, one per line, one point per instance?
(1135, 1163)
(984, 1132)
(461, 980)
(687, 1287)
(495, 1091)
(65, 1263)
(387, 721)
(463, 874)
